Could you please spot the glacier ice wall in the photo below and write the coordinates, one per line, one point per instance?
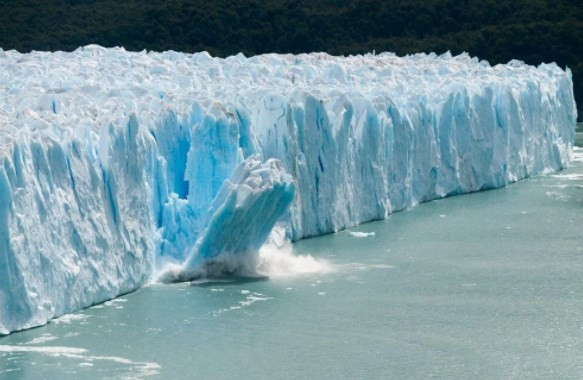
(115, 166)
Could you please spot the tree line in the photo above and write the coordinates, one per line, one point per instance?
(534, 31)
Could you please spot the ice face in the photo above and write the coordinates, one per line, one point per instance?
(117, 166)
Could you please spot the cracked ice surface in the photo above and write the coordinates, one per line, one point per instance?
(114, 164)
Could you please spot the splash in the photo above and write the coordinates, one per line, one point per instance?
(275, 259)
(280, 261)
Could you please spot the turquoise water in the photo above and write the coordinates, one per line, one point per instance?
(579, 135)
(487, 285)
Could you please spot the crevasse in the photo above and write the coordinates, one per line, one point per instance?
(118, 166)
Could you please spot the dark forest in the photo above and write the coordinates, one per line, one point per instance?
(534, 31)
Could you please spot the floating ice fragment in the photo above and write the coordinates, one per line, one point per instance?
(361, 234)
(69, 318)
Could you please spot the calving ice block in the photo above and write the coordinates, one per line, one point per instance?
(117, 167)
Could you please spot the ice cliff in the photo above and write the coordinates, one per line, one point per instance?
(118, 166)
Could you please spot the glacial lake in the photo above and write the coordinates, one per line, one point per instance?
(486, 285)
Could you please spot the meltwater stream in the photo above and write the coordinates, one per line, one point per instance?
(484, 285)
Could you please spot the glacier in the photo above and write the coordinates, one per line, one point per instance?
(118, 168)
